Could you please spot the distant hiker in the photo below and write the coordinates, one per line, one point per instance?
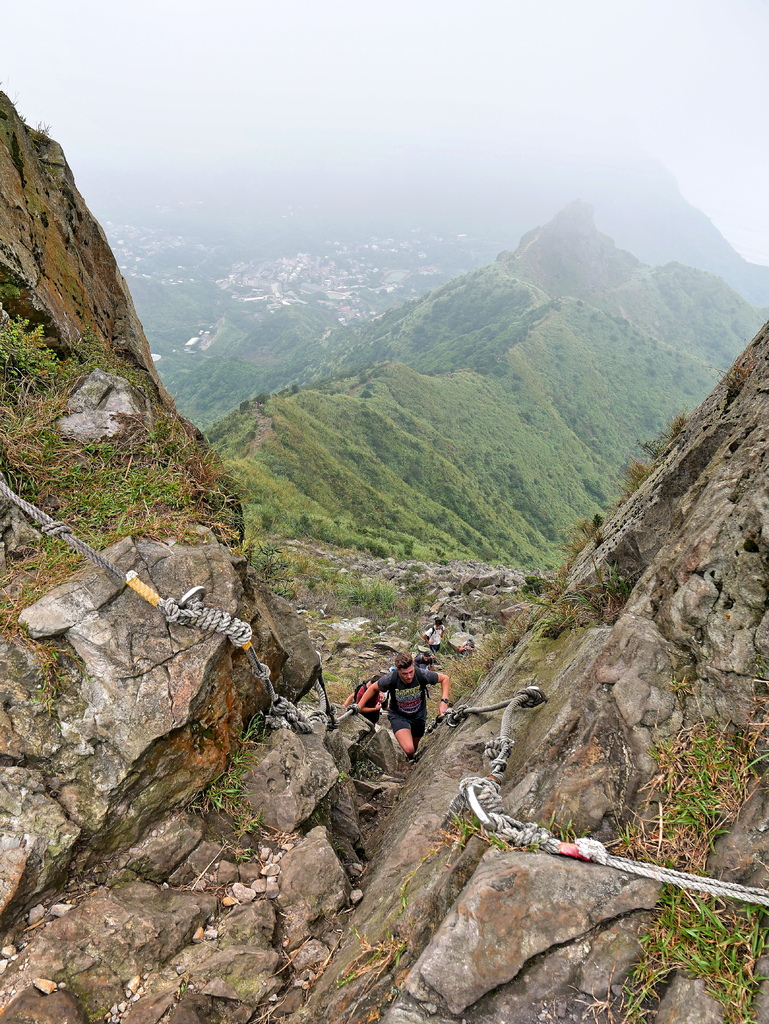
(467, 646)
(434, 634)
(406, 686)
(371, 714)
(423, 660)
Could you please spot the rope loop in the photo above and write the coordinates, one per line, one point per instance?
(455, 716)
(214, 619)
(285, 715)
(482, 797)
(498, 751)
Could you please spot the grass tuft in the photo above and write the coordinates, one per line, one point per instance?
(705, 775)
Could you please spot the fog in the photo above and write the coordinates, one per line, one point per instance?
(412, 105)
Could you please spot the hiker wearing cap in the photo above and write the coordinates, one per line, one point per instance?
(407, 689)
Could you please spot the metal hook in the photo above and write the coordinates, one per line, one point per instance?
(195, 594)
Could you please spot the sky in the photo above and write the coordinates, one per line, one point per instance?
(163, 83)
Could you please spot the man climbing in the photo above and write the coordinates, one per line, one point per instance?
(406, 685)
(434, 634)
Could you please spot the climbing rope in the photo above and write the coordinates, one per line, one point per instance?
(189, 610)
(482, 797)
(528, 697)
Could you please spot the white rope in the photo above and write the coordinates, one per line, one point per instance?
(482, 797)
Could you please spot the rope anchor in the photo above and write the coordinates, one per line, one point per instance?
(189, 610)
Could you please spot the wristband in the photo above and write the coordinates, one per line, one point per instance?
(444, 701)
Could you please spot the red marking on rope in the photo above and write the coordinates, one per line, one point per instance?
(571, 850)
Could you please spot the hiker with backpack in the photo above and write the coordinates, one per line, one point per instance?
(371, 714)
(433, 635)
(406, 687)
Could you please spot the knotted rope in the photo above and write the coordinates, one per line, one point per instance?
(528, 697)
(187, 611)
(482, 797)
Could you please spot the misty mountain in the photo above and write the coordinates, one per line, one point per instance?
(349, 186)
(486, 417)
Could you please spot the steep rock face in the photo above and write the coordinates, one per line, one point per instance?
(145, 716)
(690, 646)
(56, 267)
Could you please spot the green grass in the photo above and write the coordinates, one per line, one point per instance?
(225, 792)
(480, 421)
(705, 775)
(159, 483)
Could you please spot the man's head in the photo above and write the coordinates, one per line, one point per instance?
(404, 665)
(438, 622)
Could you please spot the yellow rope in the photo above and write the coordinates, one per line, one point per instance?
(142, 589)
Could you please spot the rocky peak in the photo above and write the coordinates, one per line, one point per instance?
(569, 256)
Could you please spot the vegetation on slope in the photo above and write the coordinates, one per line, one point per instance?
(457, 465)
(486, 417)
(157, 484)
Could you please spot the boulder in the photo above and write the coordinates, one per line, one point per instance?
(252, 924)
(113, 936)
(687, 1002)
(294, 775)
(165, 847)
(516, 907)
(31, 1006)
(104, 406)
(313, 888)
(382, 749)
(152, 716)
(36, 840)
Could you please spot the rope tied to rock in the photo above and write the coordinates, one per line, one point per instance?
(528, 697)
(498, 752)
(482, 797)
(189, 610)
(197, 614)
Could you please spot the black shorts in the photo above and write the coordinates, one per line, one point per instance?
(371, 716)
(416, 726)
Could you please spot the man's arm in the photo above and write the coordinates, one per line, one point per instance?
(369, 697)
(443, 679)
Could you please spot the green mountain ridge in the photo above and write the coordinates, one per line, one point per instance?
(485, 418)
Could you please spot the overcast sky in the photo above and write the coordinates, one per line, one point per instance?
(161, 81)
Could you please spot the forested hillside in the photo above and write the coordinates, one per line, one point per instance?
(487, 417)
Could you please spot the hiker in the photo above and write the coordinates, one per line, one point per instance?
(371, 714)
(467, 646)
(434, 634)
(406, 687)
(424, 660)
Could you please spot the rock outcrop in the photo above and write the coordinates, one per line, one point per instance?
(56, 266)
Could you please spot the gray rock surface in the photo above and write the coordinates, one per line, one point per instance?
(515, 907)
(687, 1002)
(294, 775)
(313, 888)
(36, 839)
(105, 405)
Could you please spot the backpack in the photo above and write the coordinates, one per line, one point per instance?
(361, 689)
